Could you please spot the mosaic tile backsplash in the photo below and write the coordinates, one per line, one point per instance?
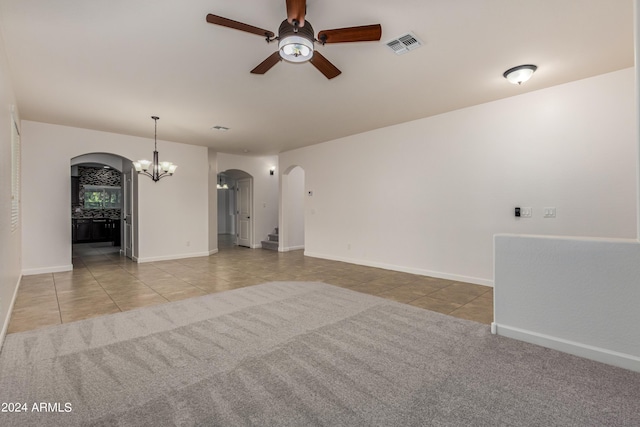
(96, 176)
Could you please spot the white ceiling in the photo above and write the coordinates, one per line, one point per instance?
(111, 64)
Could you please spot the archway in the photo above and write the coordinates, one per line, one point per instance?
(292, 209)
(104, 204)
(235, 209)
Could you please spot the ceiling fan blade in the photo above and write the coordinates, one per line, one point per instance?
(225, 22)
(266, 65)
(365, 33)
(324, 66)
(296, 10)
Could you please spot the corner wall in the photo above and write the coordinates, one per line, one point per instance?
(427, 196)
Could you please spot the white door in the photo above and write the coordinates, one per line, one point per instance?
(244, 212)
(128, 211)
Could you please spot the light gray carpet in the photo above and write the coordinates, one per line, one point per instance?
(302, 354)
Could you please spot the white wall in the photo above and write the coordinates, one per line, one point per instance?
(172, 213)
(265, 190)
(292, 214)
(427, 196)
(106, 159)
(10, 241)
(575, 295)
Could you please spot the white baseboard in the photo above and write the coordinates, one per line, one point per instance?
(421, 272)
(44, 270)
(291, 248)
(603, 355)
(7, 318)
(213, 251)
(171, 257)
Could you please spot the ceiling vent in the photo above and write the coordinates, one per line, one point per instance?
(404, 43)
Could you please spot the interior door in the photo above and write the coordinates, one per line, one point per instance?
(244, 212)
(128, 212)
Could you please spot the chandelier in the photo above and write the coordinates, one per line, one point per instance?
(156, 169)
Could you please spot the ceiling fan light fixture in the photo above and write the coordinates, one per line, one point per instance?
(296, 43)
(296, 49)
(520, 74)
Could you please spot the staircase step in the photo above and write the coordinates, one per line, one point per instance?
(273, 237)
(272, 246)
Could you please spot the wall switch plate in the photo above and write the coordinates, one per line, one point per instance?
(526, 212)
(549, 212)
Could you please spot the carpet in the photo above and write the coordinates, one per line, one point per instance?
(300, 354)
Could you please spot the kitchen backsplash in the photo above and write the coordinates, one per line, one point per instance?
(96, 176)
(96, 213)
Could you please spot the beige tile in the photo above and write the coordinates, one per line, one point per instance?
(168, 285)
(76, 283)
(103, 283)
(26, 321)
(401, 294)
(216, 287)
(479, 310)
(76, 294)
(342, 282)
(184, 294)
(460, 293)
(434, 304)
(37, 278)
(371, 288)
(137, 301)
(44, 302)
(84, 301)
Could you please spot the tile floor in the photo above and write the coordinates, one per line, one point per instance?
(103, 282)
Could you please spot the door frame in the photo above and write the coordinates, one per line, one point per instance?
(124, 166)
(249, 181)
(127, 215)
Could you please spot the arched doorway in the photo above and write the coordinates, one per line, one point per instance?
(103, 205)
(235, 209)
(292, 228)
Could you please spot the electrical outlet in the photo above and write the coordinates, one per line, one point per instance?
(526, 212)
(549, 212)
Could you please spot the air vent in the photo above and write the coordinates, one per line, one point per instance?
(404, 43)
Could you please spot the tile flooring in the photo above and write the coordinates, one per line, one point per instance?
(103, 282)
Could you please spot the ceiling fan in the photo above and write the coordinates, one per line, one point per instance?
(296, 39)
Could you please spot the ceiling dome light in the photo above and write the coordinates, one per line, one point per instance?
(520, 74)
(296, 43)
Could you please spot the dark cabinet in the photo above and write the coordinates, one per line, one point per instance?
(82, 230)
(96, 230)
(100, 231)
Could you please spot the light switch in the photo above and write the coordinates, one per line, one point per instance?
(549, 212)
